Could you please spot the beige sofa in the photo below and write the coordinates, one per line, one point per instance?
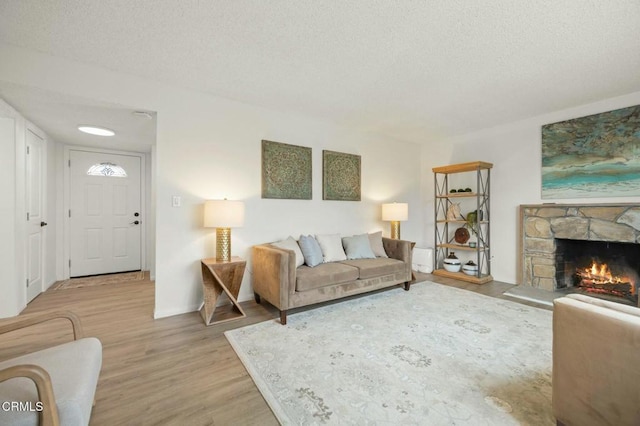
(596, 358)
(277, 280)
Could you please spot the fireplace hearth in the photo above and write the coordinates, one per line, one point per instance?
(605, 242)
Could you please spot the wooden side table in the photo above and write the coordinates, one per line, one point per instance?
(221, 277)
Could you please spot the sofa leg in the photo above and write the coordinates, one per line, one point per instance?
(257, 297)
(283, 317)
(407, 285)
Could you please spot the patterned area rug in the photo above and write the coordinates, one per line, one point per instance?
(100, 280)
(435, 355)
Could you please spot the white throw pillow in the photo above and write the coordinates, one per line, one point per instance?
(291, 244)
(331, 246)
(376, 244)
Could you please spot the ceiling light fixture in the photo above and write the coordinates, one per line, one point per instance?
(98, 131)
(143, 114)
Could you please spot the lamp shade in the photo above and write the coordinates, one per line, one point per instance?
(395, 212)
(223, 214)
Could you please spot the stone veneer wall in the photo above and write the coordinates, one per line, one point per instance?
(541, 224)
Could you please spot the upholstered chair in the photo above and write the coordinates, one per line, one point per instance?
(596, 362)
(53, 386)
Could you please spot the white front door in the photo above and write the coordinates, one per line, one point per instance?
(35, 170)
(105, 216)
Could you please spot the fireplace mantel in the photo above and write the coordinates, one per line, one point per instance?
(541, 224)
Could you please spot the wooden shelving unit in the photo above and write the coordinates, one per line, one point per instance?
(444, 234)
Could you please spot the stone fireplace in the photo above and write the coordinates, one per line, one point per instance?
(566, 245)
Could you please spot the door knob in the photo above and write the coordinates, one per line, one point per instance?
(43, 223)
(136, 222)
(136, 214)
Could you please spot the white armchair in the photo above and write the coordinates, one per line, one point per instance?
(596, 362)
(53, 386)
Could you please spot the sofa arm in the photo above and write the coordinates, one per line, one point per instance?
(595, 359)
(398, 249)
(274, 274)
(42, 381)
(17, 323)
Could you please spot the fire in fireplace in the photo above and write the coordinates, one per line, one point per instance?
(599, 279)
(604, 269)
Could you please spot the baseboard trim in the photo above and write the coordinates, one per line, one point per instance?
(164, 313)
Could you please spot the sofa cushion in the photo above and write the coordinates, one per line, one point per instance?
(370, 268)
(311, 251)
(74, 368)
(324, 275)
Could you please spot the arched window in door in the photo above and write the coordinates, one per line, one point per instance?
(106, 169)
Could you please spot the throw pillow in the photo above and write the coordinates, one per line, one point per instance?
(331, 246)
(310, 250)
(358, 247)
(375, 240)
(291, 244)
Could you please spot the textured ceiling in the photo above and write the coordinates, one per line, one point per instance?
(60, 115)
(416, 70)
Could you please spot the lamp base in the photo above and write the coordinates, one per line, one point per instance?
(395, 229)
(223, 244)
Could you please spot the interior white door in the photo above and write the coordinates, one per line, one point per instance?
(35, 194)
(105, 217)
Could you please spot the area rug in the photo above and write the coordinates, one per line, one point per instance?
(435, 355)
(100, 280)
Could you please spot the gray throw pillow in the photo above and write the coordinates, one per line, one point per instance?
(376, 244)
(358, 247)
(310, 250)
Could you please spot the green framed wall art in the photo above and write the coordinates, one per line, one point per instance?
(340, 176)
(286, 171)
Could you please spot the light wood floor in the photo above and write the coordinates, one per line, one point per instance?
(167, 371)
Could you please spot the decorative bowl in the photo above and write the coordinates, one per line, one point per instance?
(452, 267)
(470, 269)
(462, 235)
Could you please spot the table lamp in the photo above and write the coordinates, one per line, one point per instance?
(395, 213)
(223, 215)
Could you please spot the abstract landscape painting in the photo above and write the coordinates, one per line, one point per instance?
(593, 156)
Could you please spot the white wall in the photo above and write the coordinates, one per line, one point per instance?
(515, 151)
(59, 196)
(209, 147)
(150, 226)
(212, 150)
(9, 289)
(52, 218)
(13, 273)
